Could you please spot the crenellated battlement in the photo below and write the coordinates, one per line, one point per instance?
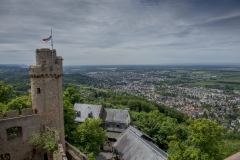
(48, 65)
(15, 113)
(38, 71)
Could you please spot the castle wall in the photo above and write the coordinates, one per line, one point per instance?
(73, 153)
(16, 144)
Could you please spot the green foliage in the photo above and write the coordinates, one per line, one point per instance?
(204, 142)
(71, 79)
(19, 103)
(6, 92)
(171, 113)
(89, 137)
(135, 103)
(44, 140)
(69, 120)
(71, 95)
(17, 77)
(230, 147)
(3, 108)
(139, 105)
(69, 98)
(91, 156)
(158, 126)
(20, 83)
(7, 103)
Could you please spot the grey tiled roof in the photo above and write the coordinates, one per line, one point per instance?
(140, 133)
(85, 109)
(131, 146)
(116, 115)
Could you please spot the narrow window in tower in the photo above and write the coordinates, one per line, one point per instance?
(38, 91)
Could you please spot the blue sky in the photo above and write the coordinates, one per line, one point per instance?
(108, 32)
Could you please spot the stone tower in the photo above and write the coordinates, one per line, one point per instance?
(46, 89)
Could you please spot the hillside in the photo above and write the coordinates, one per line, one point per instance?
(168, 127)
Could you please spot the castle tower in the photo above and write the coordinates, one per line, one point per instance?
(46, 89)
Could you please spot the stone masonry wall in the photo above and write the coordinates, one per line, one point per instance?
(17, 145)
(73, 153)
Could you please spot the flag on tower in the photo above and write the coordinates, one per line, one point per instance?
(47, 39)
(50, 39)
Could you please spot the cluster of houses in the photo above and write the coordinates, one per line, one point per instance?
(124, 141)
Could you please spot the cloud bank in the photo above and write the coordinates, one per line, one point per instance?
(106, 32)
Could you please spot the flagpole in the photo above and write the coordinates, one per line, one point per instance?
(52, 44)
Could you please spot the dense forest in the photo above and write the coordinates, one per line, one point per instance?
(181, 137)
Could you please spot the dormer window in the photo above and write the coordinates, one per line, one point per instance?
(90, 115)
(78, 113)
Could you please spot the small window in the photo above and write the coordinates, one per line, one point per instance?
(118, 126)
(5, 156)
(78, 113)
(38, 91)
(90, 115)
(14, 132)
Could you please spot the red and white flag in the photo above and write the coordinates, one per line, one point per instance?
(47, 39)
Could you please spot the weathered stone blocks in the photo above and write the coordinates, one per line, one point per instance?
(13, 114)
(27, 111)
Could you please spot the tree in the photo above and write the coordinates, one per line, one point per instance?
(69, 120)
(5, 93)
(89, 137)
(19, 103)
(44, 140)
(134, 105)
(158, 126)
(204, 142)
(71, 95)
(206, 135)
(69, 98)
(3, 108)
